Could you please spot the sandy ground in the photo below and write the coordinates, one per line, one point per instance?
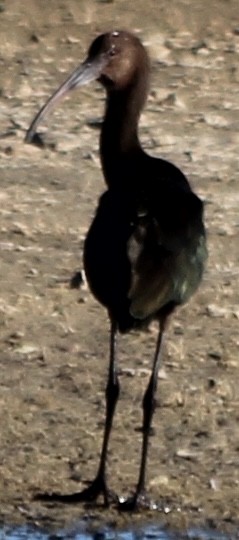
(54, 340)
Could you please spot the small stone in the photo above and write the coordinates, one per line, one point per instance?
(214, 484)
(27, 349)
(184, 453)
(76, 280)
(216, 311)
(34, 38)
(215, 355)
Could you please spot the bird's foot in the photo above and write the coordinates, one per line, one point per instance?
(90, 494)
(138, 501)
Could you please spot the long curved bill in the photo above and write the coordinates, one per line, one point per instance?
(89, 71)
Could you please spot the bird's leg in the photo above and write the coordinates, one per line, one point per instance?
(98, 486)
(138, 497)
(111, 394)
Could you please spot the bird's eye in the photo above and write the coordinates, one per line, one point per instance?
(112, 51)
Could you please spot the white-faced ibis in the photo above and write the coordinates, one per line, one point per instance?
(145, 250)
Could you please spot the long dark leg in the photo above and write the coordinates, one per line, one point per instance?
(98, 486)
(111, 394)
(148, 410)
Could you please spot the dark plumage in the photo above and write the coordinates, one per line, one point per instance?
(145, 250)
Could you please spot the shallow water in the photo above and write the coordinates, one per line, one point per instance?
(81, 533)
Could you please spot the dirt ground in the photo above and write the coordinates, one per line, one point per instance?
(54, 340)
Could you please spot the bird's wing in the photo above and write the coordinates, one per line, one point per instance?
(166, 250)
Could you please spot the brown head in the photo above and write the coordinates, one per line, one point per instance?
(118, 60)
(125, 57)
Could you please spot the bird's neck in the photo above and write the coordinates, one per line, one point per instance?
(119, 143)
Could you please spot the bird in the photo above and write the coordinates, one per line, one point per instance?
(146, 250)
